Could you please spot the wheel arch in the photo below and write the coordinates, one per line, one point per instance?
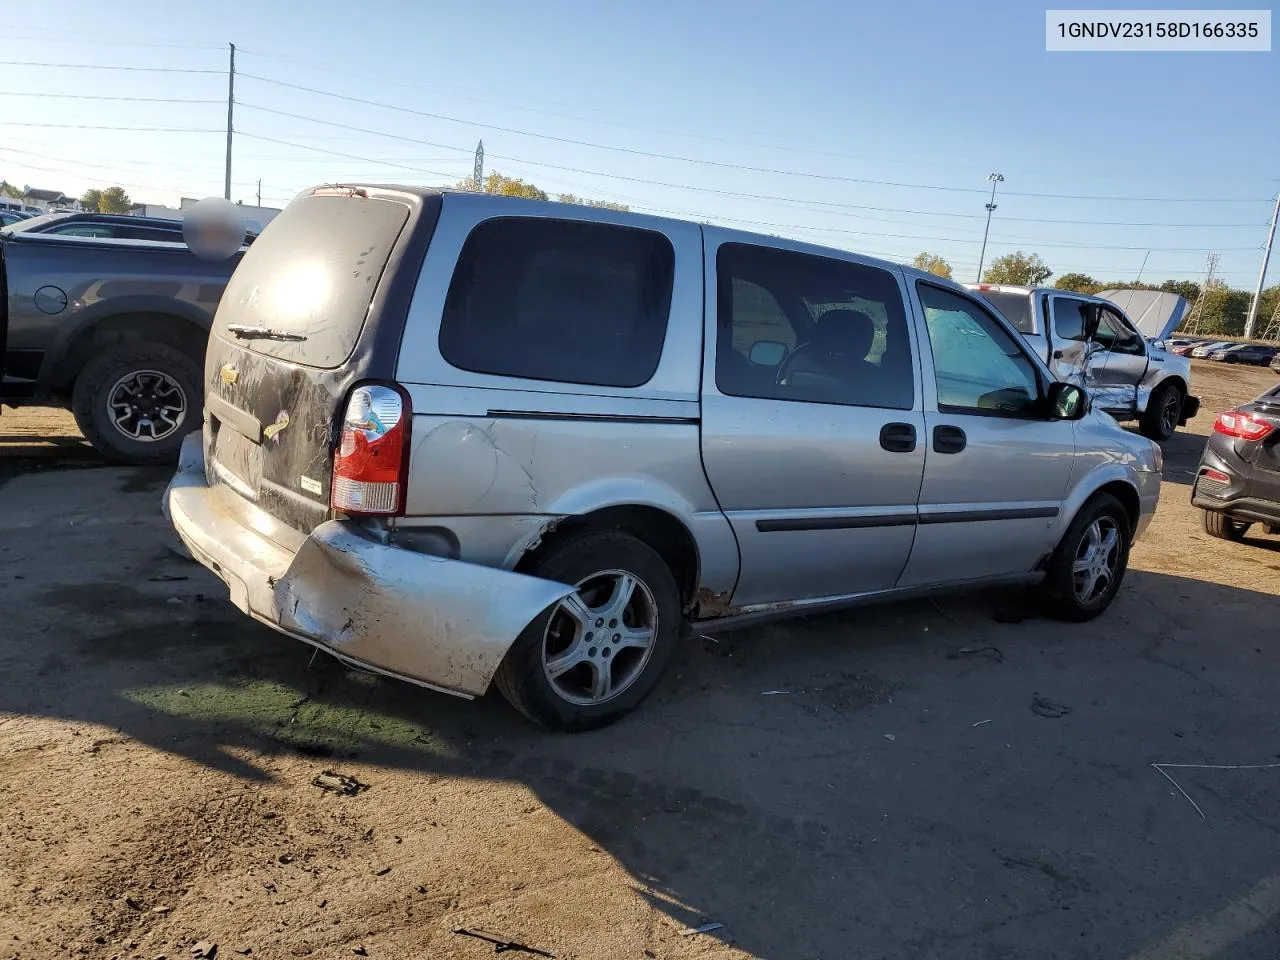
(1115, 481)
(1147, 390)
(658, 528)
(175, 330)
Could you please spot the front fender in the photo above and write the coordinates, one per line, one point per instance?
(1144, 483)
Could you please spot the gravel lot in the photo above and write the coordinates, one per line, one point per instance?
(950, 779)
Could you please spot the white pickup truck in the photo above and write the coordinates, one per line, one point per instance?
(1090, 341)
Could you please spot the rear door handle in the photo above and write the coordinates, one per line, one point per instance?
(948, 439)
(898, 437)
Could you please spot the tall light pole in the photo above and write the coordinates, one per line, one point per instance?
(995, 178)
(231, 101)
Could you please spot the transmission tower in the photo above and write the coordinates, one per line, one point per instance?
(1272, 329)
(1192, 325)
(477, 175)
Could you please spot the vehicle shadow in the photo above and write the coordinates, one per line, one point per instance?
(1182, 453)
(942, 778)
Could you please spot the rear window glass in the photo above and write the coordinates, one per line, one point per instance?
(560, 300)
(1016, 307)
(312, 273)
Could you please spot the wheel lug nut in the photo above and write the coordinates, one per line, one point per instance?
(617, 637)
(599, 623)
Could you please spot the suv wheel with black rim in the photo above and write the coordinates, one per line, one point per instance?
(1163, 412)
(137, 401)
(595, 655)
(1088, 566)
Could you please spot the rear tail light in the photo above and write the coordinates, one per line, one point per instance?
(370, 466)
(1217, 476)
(1246, 426)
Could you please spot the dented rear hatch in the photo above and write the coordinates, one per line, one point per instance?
(317, 305)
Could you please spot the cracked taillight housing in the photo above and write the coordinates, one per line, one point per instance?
(371, 464)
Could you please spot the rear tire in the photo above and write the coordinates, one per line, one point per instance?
(164, 382)
(581, 629)
(1087, 568)
(1218, 524)
(1164, 410)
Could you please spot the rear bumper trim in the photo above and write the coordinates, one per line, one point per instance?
(436, 622)
(1241, 508)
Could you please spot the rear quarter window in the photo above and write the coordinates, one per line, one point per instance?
(313, 274)
(560, 300)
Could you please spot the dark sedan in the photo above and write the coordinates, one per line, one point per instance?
(1238, 481)
(1251, 353)
(117, 226)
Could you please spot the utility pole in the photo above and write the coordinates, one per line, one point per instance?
(995, 178)
(259, 191)
(1262, 273)
(231, 102)
(477, 175)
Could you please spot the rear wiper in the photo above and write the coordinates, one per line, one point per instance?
(244, 332)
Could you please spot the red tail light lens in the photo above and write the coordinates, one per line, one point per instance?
(370, 466)
(1246, 426)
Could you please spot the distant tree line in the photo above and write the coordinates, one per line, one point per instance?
(515, 187)
(1223, 310)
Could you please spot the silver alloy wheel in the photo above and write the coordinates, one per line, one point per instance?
(1169, 412)
(146, 405)
(599, 640)
(1097, 559)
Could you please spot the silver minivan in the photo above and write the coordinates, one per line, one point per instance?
(462, 439)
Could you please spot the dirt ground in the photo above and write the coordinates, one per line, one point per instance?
(949, 779)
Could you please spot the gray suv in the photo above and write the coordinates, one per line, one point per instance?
(463, 439)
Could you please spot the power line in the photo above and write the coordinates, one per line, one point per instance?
(1041, 242)
(96, 66)
(91, 126)
(789, 147)
(98, 40)
(91, 96)
(347, 156)
(835, 178)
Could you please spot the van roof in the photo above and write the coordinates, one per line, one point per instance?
(550, 208)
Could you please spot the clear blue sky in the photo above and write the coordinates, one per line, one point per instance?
(924, 95)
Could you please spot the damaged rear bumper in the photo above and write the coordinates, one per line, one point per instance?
(440, 623)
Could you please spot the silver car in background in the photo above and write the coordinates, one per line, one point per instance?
(463, 439)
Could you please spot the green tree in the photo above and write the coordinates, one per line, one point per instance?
(114, 200)
(7, 189)
(1078, 283)
(1223, 310)
(1020, 269)
(504, 187)
(932, 263)
(92, 200)
(1189, 290)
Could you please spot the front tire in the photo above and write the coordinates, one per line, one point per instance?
(1164, 410)
(1223, 527)
(591, 658)
(1087, 568)
(137, 401)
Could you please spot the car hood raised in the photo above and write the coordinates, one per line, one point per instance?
(1155, 313)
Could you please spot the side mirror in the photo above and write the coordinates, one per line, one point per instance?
(1067, 401)
(768, 353)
